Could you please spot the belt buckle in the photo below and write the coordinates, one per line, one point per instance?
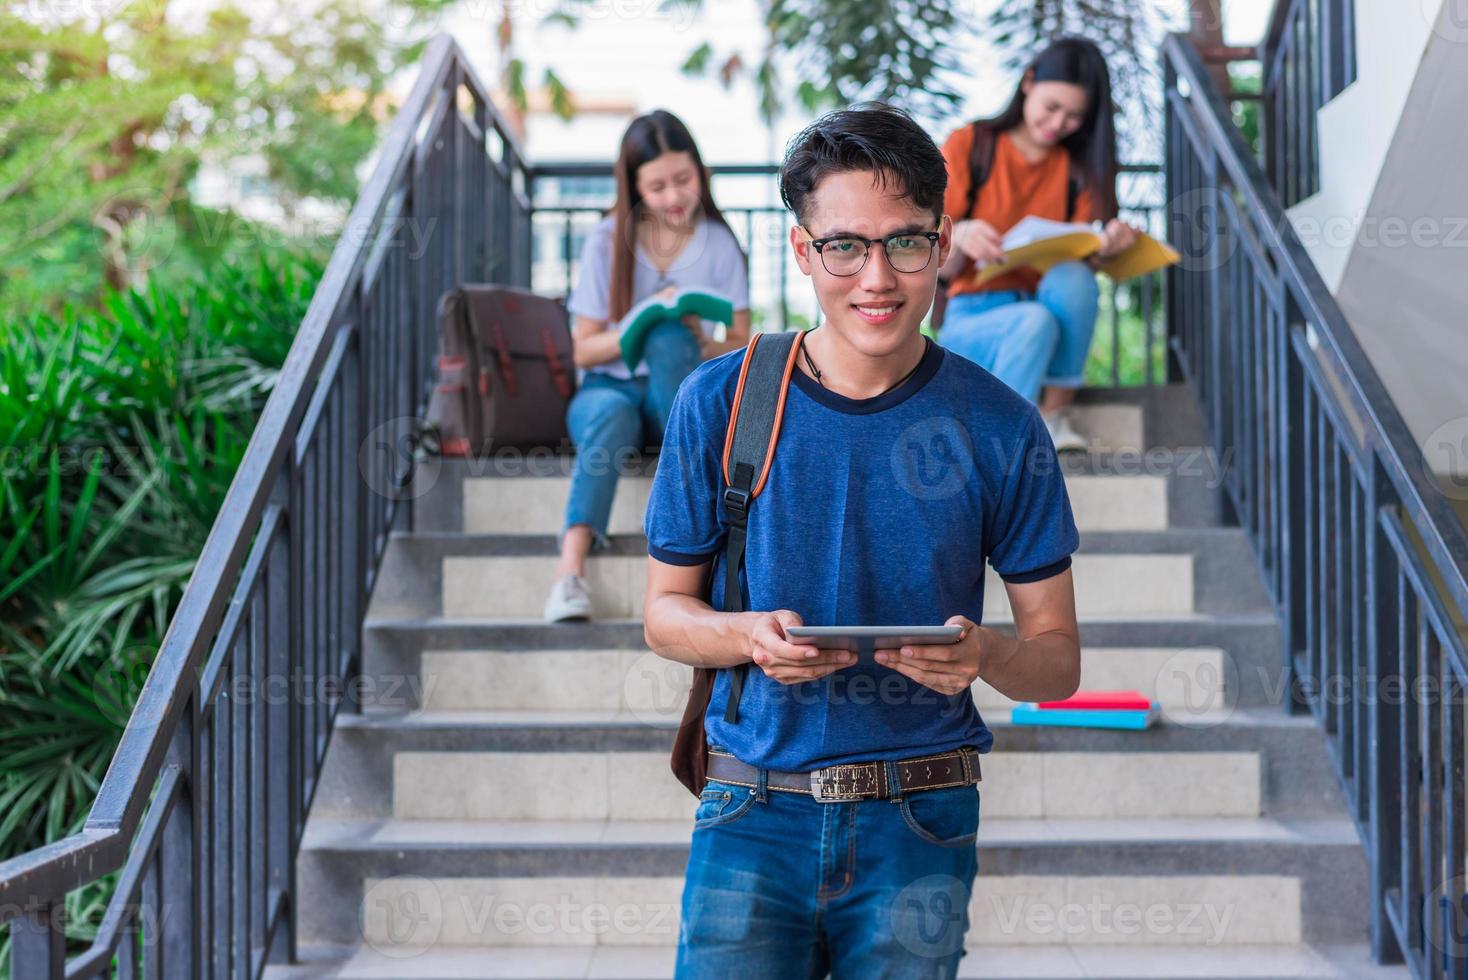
(841, 784)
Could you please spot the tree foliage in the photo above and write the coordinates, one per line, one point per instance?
(110, 108)
(831, 52)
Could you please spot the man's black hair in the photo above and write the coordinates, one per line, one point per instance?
(871, 136)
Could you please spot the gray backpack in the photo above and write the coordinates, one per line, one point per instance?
(749, 449)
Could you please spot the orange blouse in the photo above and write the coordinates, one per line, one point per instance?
(1014, 189)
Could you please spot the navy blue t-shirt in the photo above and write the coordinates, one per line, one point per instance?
(877, 512)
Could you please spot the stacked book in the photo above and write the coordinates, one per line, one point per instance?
(1090, 709)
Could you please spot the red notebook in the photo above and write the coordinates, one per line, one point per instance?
(1103, 700)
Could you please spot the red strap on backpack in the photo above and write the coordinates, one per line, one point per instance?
(557, 369)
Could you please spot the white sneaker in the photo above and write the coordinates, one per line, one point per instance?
(570, 598)
(1061, 433)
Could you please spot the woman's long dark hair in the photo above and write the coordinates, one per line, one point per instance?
(648, 137)
(1092, 147)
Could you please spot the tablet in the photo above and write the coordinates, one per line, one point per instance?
(862, 638)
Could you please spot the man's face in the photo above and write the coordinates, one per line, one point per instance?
(878, 308)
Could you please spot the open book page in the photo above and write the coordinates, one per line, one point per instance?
(1032, 229)
(1039, 243)
(642, 318)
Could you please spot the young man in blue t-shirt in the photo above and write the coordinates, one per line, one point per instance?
(900, 470)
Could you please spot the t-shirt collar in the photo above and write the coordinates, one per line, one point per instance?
(927, 367)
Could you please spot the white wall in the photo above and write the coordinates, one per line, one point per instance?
(1405, 284)
(1357, 127)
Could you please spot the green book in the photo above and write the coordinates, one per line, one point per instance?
(654, 310)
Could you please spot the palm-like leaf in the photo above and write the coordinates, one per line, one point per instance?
(122, 432)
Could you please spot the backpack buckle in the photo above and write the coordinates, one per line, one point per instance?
(737, 501)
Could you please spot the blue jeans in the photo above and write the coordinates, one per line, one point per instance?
(612, 419)
(1025, 339)
(780, 885)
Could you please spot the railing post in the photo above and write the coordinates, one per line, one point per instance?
(182, 907)
(1291, 413)
(38, 942)
(453, 159)
(1218, 306)
(1172, 275)
(283, 776)
(1384, 661)
(482, 182)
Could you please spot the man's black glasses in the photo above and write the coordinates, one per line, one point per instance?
(844, 255)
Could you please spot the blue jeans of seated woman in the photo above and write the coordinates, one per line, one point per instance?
(612, 419)
(783, 887)
(1028, 339)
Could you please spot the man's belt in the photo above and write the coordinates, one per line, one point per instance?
(857, 780)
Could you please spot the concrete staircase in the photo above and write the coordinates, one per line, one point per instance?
(1214, 845)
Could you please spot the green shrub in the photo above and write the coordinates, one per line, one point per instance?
(120, 431)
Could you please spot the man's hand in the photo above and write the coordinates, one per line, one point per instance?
(946, 668)
(787, 662)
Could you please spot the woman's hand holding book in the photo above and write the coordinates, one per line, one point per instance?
(1116, 237)
(979, 241)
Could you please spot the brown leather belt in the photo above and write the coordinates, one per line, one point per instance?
(857, 780)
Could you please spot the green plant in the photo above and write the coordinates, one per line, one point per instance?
(1127, 365)
(120, 431)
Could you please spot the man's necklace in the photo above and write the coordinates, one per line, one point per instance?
(817, 371)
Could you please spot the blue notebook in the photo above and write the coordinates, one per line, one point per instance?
(1027, 713)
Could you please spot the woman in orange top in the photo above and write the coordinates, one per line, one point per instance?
(1051, 153)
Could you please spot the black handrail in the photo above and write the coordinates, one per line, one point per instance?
(1362, 551)
(190, 814)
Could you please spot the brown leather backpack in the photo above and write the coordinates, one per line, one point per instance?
(505, 370)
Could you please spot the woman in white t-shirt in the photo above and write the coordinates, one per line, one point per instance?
(663, 234)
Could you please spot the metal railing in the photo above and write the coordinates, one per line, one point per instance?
(1308, 56)
(1360, 547)
(201, 811)
(780, 298)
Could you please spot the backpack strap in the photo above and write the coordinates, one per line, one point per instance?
(749, 450)
(981, 164)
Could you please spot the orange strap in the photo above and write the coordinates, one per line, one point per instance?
(790, 369)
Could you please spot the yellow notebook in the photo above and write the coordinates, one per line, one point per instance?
(1039, 243)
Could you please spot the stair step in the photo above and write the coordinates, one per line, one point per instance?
(495, 505)
(1185, 681)
(1029, 962)
(1321, 857)
(357, 781)
(1247, 645)
(1129, 574)
(1191, 478)
(995, 834)
(516, 586)
(639, 785)
(1184, 910)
